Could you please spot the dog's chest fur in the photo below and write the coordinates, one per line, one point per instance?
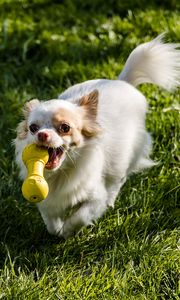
(74, 183)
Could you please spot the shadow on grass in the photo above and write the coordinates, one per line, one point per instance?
(25, 240)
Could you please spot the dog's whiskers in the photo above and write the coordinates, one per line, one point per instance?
(71, 159)
(77, 153)
(66, 175)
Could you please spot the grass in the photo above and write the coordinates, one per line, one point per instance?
(132, 251)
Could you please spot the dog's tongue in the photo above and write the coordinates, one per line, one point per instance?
(54, 157)
(52, 154)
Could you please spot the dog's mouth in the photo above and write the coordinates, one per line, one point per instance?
(55, 158)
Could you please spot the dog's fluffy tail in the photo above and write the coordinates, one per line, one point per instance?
(154, 62)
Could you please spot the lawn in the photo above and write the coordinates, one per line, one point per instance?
(132, 251)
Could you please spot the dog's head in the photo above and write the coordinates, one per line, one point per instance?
(59, 125)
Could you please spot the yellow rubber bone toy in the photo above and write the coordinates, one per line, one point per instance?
(35, 187)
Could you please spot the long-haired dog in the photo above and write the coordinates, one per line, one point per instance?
(95, 135)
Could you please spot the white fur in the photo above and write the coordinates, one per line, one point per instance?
(89, 181)
(153, 62)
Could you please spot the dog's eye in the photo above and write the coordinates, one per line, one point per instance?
(64, 128)
(33, 128)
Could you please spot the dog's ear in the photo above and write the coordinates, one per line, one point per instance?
(22, 128)
(89, 104)
(29, 106)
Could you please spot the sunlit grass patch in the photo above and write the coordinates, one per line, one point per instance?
(132, 251)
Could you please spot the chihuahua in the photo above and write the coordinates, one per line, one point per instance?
(96, 137)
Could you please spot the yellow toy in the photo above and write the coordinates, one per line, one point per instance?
(35, 187)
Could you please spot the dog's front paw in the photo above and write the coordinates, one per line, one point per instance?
(68, 229)
(54, 226)
(66, 232)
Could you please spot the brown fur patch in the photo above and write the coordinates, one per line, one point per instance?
(29, 106)
(66, 116)
(82, 121)
(91, 130)
(89, 103)
(22, 130)
(74, 119)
